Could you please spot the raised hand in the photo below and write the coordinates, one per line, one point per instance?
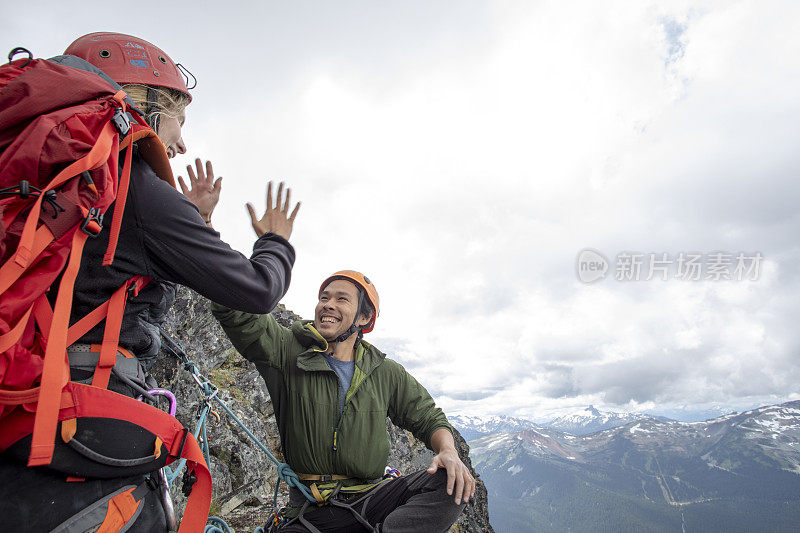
(204, 191)
(276, 218)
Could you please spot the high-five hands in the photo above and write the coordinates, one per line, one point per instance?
(276, 218)
(204, 191)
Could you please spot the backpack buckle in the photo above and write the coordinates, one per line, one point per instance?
(93, 223)
(121, 122)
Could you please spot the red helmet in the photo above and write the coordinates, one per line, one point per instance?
(128, 59)
(362, 281)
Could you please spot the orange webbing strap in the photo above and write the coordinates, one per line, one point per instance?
(196, 513)
(108, 350)
(121, 508)
(82, 326)
(151, 148)
(120, 351)
(119, 208)
(10, 339)
(55, 373)
(12, 270)
(96, 156)
(137, 134)
(43, 315)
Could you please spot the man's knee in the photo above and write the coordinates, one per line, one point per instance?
(436, 482)
(422, 480)
(438, 479)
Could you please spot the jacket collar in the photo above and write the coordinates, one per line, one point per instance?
(368, 357)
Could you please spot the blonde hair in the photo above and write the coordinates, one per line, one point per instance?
(169, 102)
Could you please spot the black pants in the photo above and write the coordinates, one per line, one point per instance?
(37, 499)
(413, 503)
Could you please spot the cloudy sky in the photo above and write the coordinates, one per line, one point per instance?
(463, 155)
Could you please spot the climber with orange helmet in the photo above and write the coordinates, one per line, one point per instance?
(331, 392)
(165, 236)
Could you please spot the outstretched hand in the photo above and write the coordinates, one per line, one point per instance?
(204, 191)
(276, 218)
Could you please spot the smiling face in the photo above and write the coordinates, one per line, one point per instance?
(336, 309)
(169, 106)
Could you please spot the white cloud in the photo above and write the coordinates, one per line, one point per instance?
(462, 157)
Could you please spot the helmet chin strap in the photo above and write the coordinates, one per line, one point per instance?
(346, 335)
(150, 111)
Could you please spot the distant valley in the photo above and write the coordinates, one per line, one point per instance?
(739, 472)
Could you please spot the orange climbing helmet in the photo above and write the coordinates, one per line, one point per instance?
(365, 284)
(129, 59)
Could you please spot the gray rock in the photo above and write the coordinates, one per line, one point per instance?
(244, 479)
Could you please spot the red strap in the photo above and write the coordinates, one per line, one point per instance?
(10, 339)
(79, 400)
(82, 326)
(96, 156)
(41, 312)
(108, 351)
(55, 373)
(119, 208)
(11, 213)
(11, 270)
(196, 514)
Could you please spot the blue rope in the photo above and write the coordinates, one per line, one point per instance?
(217, 525)
(211, 392)
(173, 473)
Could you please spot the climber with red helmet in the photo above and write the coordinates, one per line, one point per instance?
(163, 235)
(331, 392)
(149, 76)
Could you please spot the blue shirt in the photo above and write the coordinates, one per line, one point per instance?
(344, 370)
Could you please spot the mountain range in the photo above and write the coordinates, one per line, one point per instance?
(590, 420)
(739, 472)
(472, 427)
(581, 422)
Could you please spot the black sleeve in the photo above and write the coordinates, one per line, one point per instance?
(181, 248)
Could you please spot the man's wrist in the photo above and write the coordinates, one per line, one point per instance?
(442, 440)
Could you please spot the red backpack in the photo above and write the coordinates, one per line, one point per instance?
(61, 132)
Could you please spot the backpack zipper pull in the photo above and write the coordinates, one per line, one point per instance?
(87, 179)
(335, 439)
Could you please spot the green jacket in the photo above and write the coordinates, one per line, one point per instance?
(305, 396)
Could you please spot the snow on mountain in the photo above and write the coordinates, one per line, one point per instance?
(586, 421)
(772, 431)
(738, 471)
(472, 427)
(590, 420)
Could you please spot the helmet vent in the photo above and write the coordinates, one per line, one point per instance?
(105, 54)
(162, 59)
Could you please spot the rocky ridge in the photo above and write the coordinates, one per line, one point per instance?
(244, 479)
